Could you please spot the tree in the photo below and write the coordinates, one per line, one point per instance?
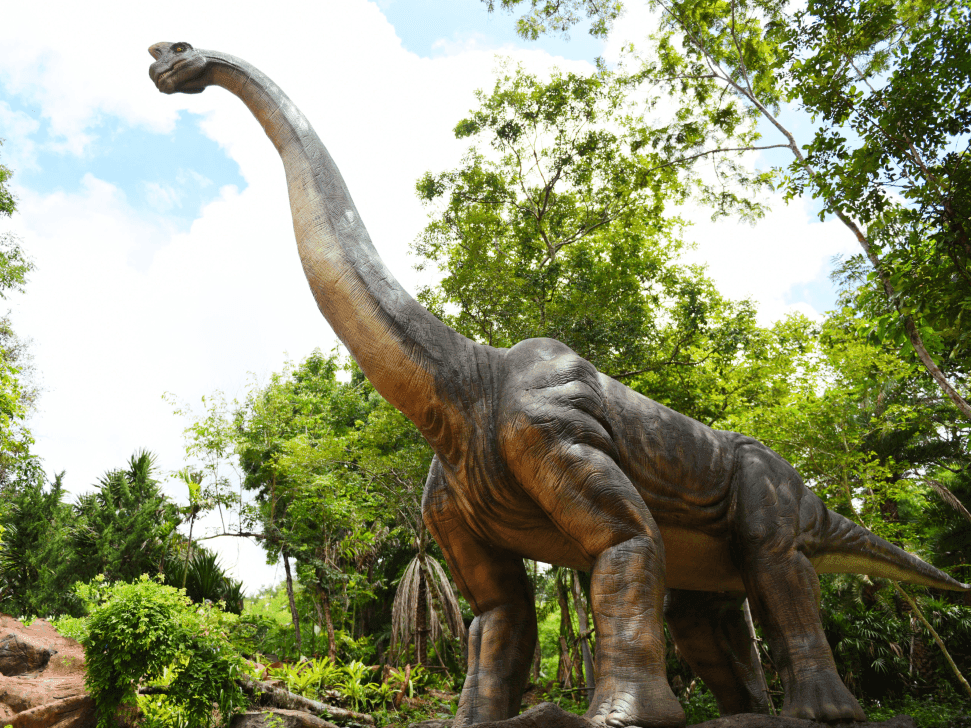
(426, 609)
(123, 528)
(17, 393)
(35, 521)
(336, 475)
(144, 631)
(878, 68)
(556, 225)
(889, 87)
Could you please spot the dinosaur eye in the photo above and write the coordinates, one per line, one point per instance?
(181, 47)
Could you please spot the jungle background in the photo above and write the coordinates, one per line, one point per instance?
(562, 220)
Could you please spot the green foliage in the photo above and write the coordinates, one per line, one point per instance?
(204, 578)
(74, 628)
(151, 632)
(309, 678)
(556, 226)
(929, 712)
(558, 16)
(17, 393)
(890, 89)
(122, 529)
(359, 685)
(699, 704)
(336, 476)
(7, 201)
(35, 520)
(14, 263)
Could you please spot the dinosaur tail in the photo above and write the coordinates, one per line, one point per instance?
(848, 548)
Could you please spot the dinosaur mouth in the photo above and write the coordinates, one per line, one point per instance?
(169, 72)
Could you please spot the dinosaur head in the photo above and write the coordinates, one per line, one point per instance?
(178, 68)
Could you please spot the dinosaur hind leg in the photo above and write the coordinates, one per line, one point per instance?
(710, 632)
(783, 588)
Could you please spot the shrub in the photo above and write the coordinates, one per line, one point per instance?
(151, 632)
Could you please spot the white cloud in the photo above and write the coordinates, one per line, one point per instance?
(162, 197)
(788, 248)
(19, 150)
(460, 43)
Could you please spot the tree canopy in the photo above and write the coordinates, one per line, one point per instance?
(887, 88)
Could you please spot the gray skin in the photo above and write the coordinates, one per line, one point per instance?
(540, 456)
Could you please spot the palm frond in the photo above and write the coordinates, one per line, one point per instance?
(445, 615)
(948, 497)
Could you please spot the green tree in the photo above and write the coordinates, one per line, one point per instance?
(335, 474)
(887, 85)
(17, 393)
(144, 631)
(123, 528)
(35, 519)
(556, 225)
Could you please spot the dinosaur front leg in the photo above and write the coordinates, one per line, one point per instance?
(627, 594)
(502, 637)
(591, 502)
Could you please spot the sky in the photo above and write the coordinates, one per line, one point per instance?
(160, 227)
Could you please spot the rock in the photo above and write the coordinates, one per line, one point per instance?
(548, 715)
(50, 692)
(19, 655)
(278, 718)
(74, 712)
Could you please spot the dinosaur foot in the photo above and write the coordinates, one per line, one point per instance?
(822, 697)
(644, 705)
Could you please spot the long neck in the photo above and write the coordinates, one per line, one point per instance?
(398, 344)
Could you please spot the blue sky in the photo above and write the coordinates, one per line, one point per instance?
(141, 162)
(425, 24)
(160, 224)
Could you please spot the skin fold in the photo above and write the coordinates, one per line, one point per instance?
(540, 456)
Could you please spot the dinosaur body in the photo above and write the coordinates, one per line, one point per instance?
(538, 455)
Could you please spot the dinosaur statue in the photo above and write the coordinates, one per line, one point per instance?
(540, 456)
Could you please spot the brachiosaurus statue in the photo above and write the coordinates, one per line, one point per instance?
(540, 456)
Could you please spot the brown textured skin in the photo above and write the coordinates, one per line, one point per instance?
(538, 455)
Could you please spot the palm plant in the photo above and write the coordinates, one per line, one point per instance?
(425, 607)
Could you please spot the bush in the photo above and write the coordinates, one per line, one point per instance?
(929, 712)
(151, 632)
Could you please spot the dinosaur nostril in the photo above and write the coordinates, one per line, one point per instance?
(156, 50)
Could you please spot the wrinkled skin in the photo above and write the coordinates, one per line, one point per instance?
(540, 456)
(586, 473)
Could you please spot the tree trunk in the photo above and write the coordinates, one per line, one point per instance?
(421, 621)
(323, 613)
(756, 658)
(537, 661)
(584, 624)
(565, 670)
(188, 550)
(265, 694)
(293, 603)
(940, 643)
